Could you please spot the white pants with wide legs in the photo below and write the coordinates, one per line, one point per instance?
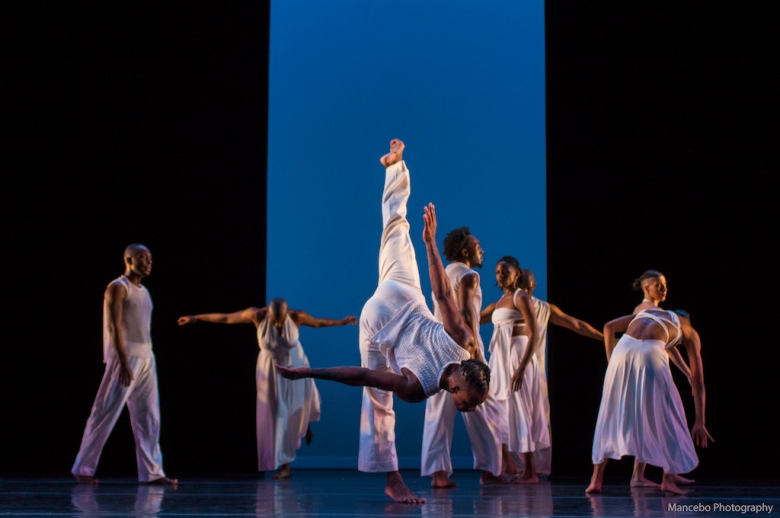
(143, 403)
(399, 282)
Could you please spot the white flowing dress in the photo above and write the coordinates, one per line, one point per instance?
(641, 412)
(284, 407)
(526, 429)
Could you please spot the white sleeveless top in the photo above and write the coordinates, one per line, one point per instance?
(136, 323)
(663, 317)
(277, 343)
(415, 340)
(456, 272)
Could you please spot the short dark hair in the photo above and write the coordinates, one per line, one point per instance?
(455, 242)
(513, 262)
(477, 375)
(276, 305)
(649, 274)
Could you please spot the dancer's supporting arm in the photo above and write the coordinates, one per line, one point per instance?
(559, 318)
(523, 302)
(406, 387)
(116, 294)
(692, 344)
(245, 316)
(301, 318)
(442, 289)
(619, 325)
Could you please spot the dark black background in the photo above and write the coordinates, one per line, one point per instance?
(147, 122)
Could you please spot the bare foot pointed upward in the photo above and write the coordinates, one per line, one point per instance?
(395, 155)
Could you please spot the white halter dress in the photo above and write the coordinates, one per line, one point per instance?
(641, 412)
(284, 407)
(527, 427)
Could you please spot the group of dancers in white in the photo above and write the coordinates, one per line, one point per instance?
(418, 355)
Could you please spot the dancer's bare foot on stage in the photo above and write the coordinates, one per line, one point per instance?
(284, 472)
(597, 479)
(508, 464)
(162, 481)
(395, 155)
(309, 436)
(526, 477)
(488, 479)
(641, 481)
(397, 490)
(86, 479)
(668, 486)
(442, 480)
(682, 480)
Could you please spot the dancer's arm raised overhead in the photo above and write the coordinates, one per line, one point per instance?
(245, 316)
(559, 318)
(301, 318)
(692, 344)
(442, 289)
(406, 387)
(619, 325)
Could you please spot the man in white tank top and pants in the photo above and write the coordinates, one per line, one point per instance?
(463, 251)
(130, 376)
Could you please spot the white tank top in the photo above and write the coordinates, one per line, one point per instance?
(456, 272)
(136, 323)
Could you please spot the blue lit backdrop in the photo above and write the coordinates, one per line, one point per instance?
(462, 84)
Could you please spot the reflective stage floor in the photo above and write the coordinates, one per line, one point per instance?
(350, 493)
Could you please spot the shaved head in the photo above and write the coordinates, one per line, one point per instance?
(529, 281)
(133, 249)
(277, 310)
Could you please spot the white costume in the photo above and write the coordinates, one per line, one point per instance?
(641, 412)
(527, 429)
(543, 456)
(396, 329)
(284, 407)
(141, 395)
(482, 425)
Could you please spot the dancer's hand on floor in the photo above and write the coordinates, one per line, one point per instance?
(700, 435)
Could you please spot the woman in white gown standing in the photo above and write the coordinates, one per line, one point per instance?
(514, 367)
(641, 413)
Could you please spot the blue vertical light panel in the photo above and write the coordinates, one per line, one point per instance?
(462, 84)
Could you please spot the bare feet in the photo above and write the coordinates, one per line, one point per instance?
(526, 477)
(489, 479)
(668, 486)
(441, 480)
(309, 436)
(86, 479)
(397, 490)
(682, 480)
(284, 472)
(395, 155)
(641, 481)
(162, 481)
(509, 465)
(597, 479)
(594, 487)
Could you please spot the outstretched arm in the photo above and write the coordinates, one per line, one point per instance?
(559, 318)
(246, 316)
(692, 344)
(301, 318)
(619, 325)
(406, 388)
(442, 289)
(487, 314)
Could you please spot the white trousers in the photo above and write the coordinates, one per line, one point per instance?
(483, 426)
(399, 282)
(143, 403)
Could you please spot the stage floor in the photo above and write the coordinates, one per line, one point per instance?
(350, 493)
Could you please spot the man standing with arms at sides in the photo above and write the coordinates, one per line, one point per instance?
(130, 376)
(550, 313)
(464, 252)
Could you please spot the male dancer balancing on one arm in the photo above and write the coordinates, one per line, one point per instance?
(464, 252)
(397, 329)
(284, 407)
(130, 376)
